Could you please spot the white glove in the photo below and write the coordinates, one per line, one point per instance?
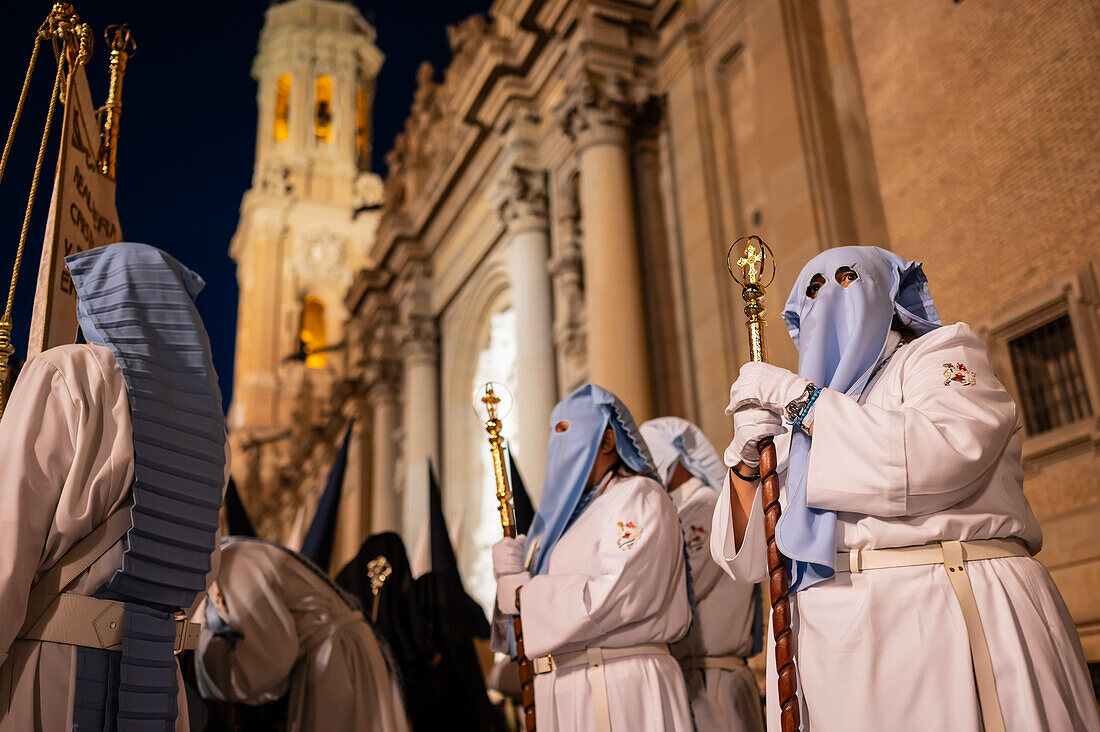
(506, 591)
(767, 386)
(750, 425)
(508, 556)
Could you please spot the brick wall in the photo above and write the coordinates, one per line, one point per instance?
(984, 124)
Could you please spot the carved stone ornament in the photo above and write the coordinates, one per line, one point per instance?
(425, 149)
(320, 255)
(418, 335)
(465, 39)
(368, 191)
(274, 178)
(523, 198)
(599, 108)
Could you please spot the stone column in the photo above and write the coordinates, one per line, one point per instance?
(385, 511)
(419, 346)
(523, 210)
(596, 120)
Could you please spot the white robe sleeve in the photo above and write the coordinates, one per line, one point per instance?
(630, 585)
(928, 455)
(749, 562)
(36, 452)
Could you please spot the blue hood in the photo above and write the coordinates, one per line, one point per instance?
(576, 426)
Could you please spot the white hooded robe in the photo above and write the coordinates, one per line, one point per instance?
(721, 699)
(616, 578)
(921, 458)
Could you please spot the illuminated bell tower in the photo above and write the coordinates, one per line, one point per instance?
(306, 224)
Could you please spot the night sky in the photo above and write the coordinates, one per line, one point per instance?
(187, 139)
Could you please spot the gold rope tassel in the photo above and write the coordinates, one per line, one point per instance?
(61, 27)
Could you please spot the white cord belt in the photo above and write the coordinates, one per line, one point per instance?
(953, 555)
(595, 658)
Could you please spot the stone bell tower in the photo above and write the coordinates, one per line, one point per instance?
(306, 226)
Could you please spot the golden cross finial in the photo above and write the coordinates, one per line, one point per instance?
(490, 400)
(748, 263)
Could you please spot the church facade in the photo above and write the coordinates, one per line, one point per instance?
(560, 205)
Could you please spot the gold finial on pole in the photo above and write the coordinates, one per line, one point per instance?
(123, 47)
(496, 446)
(756, 261)
(379, 570)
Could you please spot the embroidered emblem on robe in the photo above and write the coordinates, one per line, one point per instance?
(695, 537)
(958, 373)
(628, 535)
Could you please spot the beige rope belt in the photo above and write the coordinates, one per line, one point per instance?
(727, 663)
(953, 555)
(595, 658)
(56, 616)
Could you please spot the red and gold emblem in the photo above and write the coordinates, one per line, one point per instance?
(957, 373)
(628, 535)
(695, 537)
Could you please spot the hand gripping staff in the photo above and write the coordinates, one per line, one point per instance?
(486, 394)
(756, 260)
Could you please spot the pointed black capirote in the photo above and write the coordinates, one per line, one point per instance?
(443, 557)
(317, 545)
(525, 510)
(239, 524)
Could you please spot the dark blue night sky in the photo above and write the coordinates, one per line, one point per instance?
(188, 128)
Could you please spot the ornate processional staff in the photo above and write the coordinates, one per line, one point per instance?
(753, 264)
(378, 571)
(490, 400)
(123, 47)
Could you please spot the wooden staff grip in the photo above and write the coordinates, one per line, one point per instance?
(779, 586)
(526, 668)
(526, 677)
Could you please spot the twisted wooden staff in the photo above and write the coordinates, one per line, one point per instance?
(508, 523)
(752, 266)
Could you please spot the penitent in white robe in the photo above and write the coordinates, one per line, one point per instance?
(298, 636)
(607, 590)
(66, 464)
(918, 461)
(721, 699)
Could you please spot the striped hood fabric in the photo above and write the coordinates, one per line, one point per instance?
(138, 301)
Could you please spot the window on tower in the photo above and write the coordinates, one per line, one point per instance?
(282, 107)
(322, 114)
(362, 129)
(312, 332)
